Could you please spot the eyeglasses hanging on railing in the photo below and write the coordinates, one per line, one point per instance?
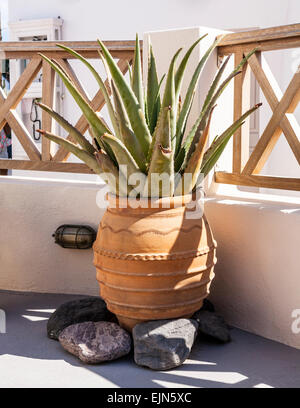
(34, 118)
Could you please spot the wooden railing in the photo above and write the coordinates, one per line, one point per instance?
(45, 160)
(246, 170)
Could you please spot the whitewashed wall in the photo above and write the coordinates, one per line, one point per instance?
(31, 210)
(257, 280)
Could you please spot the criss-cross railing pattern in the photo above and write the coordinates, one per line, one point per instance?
(246, 170)
(46, 159)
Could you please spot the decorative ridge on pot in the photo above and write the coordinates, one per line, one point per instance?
(152, 266)
(151, 203)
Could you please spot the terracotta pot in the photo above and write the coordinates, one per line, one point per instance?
(153, 263)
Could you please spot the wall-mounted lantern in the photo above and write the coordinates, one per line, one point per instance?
(75, 236)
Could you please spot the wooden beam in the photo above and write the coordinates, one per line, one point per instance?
(282, 183)
(71, 73)
(266, 39)
(82, 125)
(21, 132)
(295, 100)
(19, 89)
(270, 45)
(269, 87)
(79, 46)
(241, 104)
(89, 49)
(45, 166)
(64, 63)
(265, 34)
(272, 131)
(288, 124)
(48, 89)
(65, 55)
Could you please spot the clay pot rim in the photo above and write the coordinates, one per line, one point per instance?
(151, 203)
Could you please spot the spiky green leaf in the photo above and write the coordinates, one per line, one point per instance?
(162, 162)
(74, 133)
(152, 99)
(128, 137)
(83, 155)
(215, 83)
(97, 125)
(194, 165)
(212, 155)
(192, 138)
(100, 83)
(131, 104)
(122, 154)
(136, 77)
(116, 181)
(180, 71)
(181, 123)
(169, 98)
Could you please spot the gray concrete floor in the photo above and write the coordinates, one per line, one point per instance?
(29, 359)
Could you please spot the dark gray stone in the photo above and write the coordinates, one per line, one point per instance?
(90, 309)
(207, 305)
(163, 344)
(213, 325)
(95, 342)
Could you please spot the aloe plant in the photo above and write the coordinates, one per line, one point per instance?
(148, 135)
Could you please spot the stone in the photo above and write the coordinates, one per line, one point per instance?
(207, 305)
(90, 309)
(213, 325)
(163, 344)
(95, 342)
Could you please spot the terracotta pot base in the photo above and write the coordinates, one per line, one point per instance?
(153, 263)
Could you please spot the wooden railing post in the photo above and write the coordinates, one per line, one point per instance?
(242, 88)
(48, 89)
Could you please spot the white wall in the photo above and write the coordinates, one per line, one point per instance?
(31, 210)
(88, 19)
(257, 280)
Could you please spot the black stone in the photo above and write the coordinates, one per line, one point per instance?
(163, 344)
(91, 309)
(213, 325)
(207, 305)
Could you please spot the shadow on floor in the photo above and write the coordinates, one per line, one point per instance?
(248, 361)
